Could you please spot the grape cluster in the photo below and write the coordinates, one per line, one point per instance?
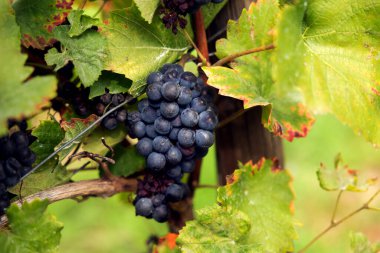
(174, 126)
(16, 160)
(78, 98)
(174, 11)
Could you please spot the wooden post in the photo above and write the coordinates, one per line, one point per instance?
(244, 138)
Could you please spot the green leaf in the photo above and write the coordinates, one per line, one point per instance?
(128, 161)
(42, 180)
(72, 128)
(115, 83)
(19, 94)
(147, 8)
(342, 178)
(49, 134)
(217, 229)
(37, 20)
(138, 48)
(250, 78)
(87, 52)
(329, 49)
(80, 23)
(31, 230)
(361, 244)
(254, 212)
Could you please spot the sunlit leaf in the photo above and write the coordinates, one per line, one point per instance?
(19, 94)
(147, 8)
(37, 20)
(114, 83)
(31, 230)
(80, 22)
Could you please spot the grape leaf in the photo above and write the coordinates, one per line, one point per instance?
(43, 179)
(138, 48)
(250, 78)
(361, 244)
(31, 229)
(20, 95)
(115, 83)
(254, 209)
(330, 50)
(342, 178)
(49, 134)
(147, 8)
(37, 20)
(80, 22)
(128, 161)
(72, 129)
(87, 52)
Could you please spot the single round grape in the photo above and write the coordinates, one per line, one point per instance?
(156, 161)
(187, 166)
(161, 213)
(109, 123)
(174, 172)
(139, 129)
(174, 193)
(144, 207)
(208, 120)
(142, 104)
(173, 135)
(133, 117)
(187, 153)
(122, 115)
(200, 152)
(150, 131)
(189, 117)
(148, 115)
(155, 77)
(117, 99)
(174, 155)
(199, 104)
(162, 126)
(185, 96)
(144, 146)
(188, 79)
(106, 98)
(170, 91)
(154, 92)
(158, 200)
(169, 109)
(186, 137)
(161, 144)
(172, 74)
(204, 138)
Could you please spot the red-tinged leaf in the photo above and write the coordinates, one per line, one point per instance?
(250, 77)
(342, 178)
(37, 20)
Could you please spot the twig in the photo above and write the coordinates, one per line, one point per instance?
(333, 224)
(109, 147)
(88, 188)
(199, 52)
(67, 144)
(232, 57)
(101, 160)
(83, 4)
(336, 207)
(100, 9)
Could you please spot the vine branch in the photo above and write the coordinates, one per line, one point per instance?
(333, 223)
(86, 188)
(232, 57)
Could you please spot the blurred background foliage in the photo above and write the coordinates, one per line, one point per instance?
(109, 225)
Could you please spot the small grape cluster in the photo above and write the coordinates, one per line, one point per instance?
(174, 126)
(16, 160)
(78, 98)
(174, 11)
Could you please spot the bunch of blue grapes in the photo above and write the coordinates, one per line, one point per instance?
(175, 11)
(174, 125)
(16, 160)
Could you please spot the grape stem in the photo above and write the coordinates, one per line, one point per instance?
(232, 57)
(201, 56)
(83, 4)
(100, 8)
(334, 223)
(81, 189)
